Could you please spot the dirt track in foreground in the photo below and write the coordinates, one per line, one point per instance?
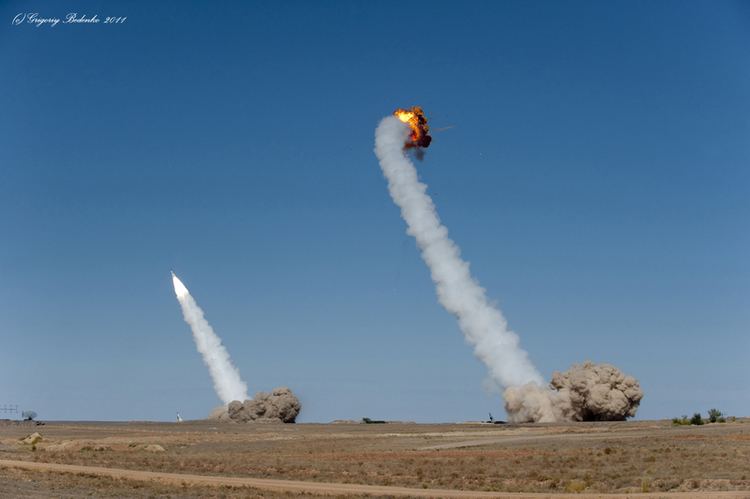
(322, 488)
(629, 458)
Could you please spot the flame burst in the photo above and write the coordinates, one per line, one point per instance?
(415, 118)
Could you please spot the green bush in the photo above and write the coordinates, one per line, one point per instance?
(714, 416)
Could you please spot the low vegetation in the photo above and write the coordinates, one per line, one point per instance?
(714, 416)
(594, 458)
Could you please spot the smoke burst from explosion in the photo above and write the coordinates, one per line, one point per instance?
(483, 324)
(586, 392)
(280, 405)
(226, 378)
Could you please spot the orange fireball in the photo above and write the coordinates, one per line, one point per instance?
(415, 118)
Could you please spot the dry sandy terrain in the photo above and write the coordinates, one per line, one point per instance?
(225, 460)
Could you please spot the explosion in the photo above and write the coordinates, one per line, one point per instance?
(598, 392)
(415, 118)
(281, 405)
(585, 392)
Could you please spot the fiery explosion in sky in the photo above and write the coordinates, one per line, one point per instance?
(415, 118)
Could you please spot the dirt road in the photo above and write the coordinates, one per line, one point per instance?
(325, 488)
(480, 442)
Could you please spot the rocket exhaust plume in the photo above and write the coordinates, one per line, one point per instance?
(226, 378)
(586, 392)
(483, 325)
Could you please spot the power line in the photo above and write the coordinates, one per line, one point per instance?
(9, 409)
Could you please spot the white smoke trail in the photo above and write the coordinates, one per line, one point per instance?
(227, 382)
(483, 325)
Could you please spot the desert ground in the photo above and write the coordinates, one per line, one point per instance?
(210, 459)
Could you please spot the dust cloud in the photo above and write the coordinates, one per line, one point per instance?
(281, 405)
(585, 392)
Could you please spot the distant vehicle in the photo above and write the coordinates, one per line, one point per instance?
(372, 421)
(495, 421)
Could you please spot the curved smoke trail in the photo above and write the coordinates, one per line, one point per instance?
(483, 325)
(586, 392)
(227, 382)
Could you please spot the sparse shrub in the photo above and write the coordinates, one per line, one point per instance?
(682, 420)
(575, 486)
(645, 485)
(696, 419)
(714, 415)
(666, 484)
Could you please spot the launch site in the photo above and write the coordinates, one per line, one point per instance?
(350, 459)
(375, 249)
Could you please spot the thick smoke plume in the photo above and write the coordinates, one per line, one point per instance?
(279, 405)
(585, 392)
(482, 324)
(226, 378)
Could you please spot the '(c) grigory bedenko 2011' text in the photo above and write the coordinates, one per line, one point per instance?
(38, 20)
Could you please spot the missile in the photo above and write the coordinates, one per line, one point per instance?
(179, 289)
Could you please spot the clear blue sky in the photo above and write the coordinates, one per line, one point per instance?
(596, 177)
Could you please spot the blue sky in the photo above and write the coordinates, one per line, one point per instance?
(596, 177)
